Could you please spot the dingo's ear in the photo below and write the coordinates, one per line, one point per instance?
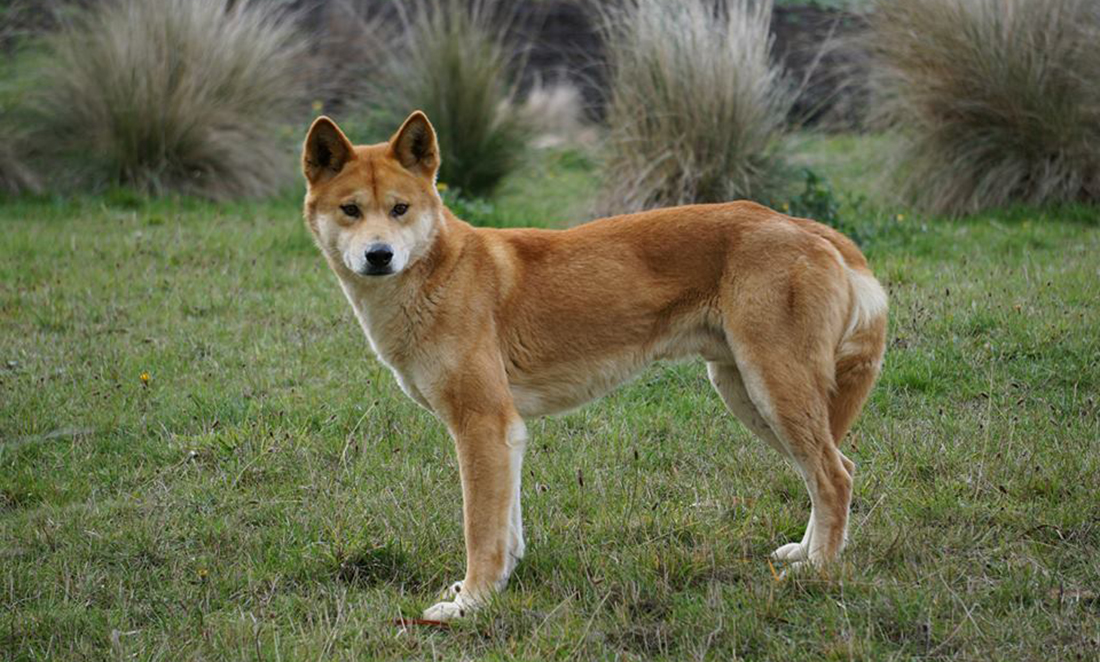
(326, 151)
(414, 145)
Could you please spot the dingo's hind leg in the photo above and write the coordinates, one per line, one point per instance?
(727, 381)
(788, 407)
(795, 403)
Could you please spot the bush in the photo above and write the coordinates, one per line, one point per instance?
(696, 107)
(354, 41)
(999, 100)
(169, 95)
(554, 113)
(16, 173)
(477, 211)
(454, 64)
(818, 201)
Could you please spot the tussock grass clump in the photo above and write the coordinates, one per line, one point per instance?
(16, 172)
(170, 95)
(999, 100)
(696, 107)
(555, 114)
(16, 175)
(455, 64)
(355, 41)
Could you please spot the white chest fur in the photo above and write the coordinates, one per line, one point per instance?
(385, 330)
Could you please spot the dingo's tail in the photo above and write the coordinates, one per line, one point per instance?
(859, 356)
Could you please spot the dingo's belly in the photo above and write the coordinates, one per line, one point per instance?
(557, 384)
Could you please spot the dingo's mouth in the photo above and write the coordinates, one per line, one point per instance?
(371, 271)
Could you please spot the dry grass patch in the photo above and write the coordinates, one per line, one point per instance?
(697, 106)
(169, 95)
(999, 99)
(452, 61)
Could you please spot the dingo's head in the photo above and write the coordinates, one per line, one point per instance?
(372, 209)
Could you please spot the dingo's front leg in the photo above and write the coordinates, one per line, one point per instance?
(490, 454)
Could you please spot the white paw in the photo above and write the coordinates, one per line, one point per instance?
(796, 568)
(792, 551)
(460, 607)
(444, 611)
(455, 605)
(453, 590)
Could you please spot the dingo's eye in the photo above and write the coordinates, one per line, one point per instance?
(399, 209)
(350, 210)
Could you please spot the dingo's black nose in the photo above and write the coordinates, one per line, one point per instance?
(379, 255)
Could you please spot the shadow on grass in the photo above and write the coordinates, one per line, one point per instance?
(377, 566)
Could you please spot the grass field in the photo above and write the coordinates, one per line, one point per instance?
(200, 459)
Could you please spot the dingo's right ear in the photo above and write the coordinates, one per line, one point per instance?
(326, 151)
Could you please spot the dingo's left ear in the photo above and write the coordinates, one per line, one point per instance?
(326, 151)
(414, 145)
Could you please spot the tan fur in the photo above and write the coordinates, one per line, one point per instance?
(488, 327)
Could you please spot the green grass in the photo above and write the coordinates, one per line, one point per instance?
(270, 494)
(853, 163)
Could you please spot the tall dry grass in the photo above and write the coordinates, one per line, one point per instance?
(352, 45)
(17, 174)
(454, 63)
(998, 100)
(170, 95)
(555, 115)
(697, 107)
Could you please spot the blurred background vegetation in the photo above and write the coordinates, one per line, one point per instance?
(978, 103)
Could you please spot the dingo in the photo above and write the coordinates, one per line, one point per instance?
(486, 327)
